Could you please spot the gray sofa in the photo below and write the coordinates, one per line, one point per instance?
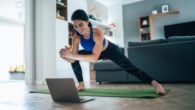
(107, 71)
(170, 60)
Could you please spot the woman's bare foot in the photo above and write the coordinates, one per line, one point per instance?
(159, 88)
(81, 87)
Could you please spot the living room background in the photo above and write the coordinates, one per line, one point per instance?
(132, 12)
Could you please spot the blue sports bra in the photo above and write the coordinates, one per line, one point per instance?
(88, 44)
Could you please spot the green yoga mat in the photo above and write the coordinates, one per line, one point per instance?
(128, 93)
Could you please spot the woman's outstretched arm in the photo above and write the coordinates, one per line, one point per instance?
(98, 39)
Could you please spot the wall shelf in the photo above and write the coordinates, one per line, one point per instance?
(61, 5)
(61, 10)
(146, 24)
(60, 17)
(166, 14)
(99, 24)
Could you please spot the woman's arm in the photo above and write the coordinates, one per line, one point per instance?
(98, 39)
(73, 49)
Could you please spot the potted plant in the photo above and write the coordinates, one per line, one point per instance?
(17, 72)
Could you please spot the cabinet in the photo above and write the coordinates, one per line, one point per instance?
(61, 9)
(61, 13)
(64, 33)
(71, 32)
(64, 10)
(146, 24)
(51, 34)
(144, 28)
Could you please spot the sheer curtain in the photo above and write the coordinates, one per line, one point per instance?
(11, 46)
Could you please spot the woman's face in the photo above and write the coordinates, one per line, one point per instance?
(81, 26)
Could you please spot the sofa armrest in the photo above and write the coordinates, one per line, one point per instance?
(106, 65)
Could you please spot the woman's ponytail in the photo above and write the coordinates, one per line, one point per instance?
(90, 25)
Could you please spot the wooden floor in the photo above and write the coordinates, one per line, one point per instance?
(15, 96)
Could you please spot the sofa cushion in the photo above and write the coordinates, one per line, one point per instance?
(106, 65)
(112, 76)
(180, 38)
(150, 42)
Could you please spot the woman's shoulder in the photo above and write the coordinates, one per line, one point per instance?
(76, 38)
(97, 31)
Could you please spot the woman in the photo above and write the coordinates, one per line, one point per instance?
(97, 47)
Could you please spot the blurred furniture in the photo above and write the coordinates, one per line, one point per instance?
(166, 60)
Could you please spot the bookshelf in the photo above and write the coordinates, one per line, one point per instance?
(61, 9)
(144, 28)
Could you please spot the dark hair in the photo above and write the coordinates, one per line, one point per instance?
(80, 15)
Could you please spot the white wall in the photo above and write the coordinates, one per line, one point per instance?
(12, 36)
(13, 10)
(115, 16)
(11, 46)
(29, 41)
(50, 36)
(45, 39)
(109, 14)
(61, 41)
(38, 40)
(74, 5)
(98, 10)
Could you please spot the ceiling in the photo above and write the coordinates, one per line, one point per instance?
(114, 2)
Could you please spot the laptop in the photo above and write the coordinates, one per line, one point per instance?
(64, 90)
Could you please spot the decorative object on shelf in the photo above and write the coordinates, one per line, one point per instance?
(58, 0)
(58, 13)
(165, 8)
(108, 33)
(155, 12)
(145, 22)
(92, 17)
(113, 25)
(145, 30)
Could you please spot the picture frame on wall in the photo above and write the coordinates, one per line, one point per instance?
(165, 8)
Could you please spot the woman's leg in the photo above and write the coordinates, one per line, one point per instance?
(78, 71)
(113, 53)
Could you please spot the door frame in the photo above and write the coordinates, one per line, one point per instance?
(29, 41)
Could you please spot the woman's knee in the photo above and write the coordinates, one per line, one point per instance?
(73, 62)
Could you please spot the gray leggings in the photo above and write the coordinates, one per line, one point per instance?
(113, 53)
